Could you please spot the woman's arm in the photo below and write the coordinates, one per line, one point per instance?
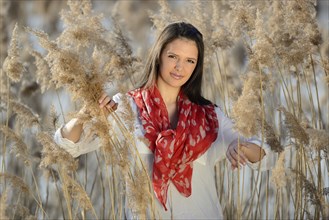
(226, 146)
(242, 152)
(253, 152)
(76, 137)
(74, 128)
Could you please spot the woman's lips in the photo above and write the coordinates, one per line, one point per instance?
(176, 76)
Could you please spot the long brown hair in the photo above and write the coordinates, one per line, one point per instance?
(192, 88)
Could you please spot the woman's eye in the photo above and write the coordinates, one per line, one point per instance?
(191, 61)
(171, 56)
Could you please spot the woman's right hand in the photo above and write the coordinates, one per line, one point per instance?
(106, 103)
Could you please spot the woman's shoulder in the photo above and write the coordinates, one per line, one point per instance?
(219, 112)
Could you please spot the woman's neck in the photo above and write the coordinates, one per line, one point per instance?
(168, 94)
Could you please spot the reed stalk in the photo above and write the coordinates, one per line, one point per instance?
(4, 148)
(320, 124)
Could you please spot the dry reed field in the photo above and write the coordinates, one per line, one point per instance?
(266, 66)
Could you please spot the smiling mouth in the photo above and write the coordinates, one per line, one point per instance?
(176, 76)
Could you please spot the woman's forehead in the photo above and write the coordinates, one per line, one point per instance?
(182, 46)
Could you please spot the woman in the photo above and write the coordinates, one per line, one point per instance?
(187, 134)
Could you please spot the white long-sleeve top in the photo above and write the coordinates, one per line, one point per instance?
(203, 202)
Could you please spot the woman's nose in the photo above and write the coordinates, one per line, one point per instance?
(178, 65)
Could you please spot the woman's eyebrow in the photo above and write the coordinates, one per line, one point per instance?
(191, 58)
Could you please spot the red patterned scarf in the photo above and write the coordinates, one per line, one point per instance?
(175, 149)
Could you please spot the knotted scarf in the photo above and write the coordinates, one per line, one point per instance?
(175, 149)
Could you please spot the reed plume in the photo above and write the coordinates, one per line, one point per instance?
(296, 131)
(68, 70)
(20, 212)
(3, 85)
(313, 194)
(138, 194)
(51, 122)
(15, 181)
(3, 205)
(279, 177)
(50, 174)
(126, 114)
(324, 52)
(101, 129)
(77, 192)
(12, 65)
(123, 162)
(24, 114)
(84, 78)
(319, 139)
(271, 138)
(262, 49)
(242, 16)
(294, 30)
(221, 38)
(163, 17)
(19, 148)
(53, 155)
(83, 28)
(4, 12)
(247, 110)
(123, 65)
(42, 73)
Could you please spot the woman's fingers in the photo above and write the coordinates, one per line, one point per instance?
(233, 162)
(240, 155)
(112, 105)
(106, 101)
(232, 156)
(235, 155)
(101, 99)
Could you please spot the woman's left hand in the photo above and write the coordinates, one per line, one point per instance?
(239, 153)
(235, 154)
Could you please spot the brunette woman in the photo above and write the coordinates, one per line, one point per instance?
(187, 133)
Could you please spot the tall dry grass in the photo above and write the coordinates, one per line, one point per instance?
(266, 66)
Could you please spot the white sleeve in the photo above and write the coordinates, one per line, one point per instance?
(88, 140)
(86, 143)
(227, 134)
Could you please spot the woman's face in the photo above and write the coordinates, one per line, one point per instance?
(177, 63)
